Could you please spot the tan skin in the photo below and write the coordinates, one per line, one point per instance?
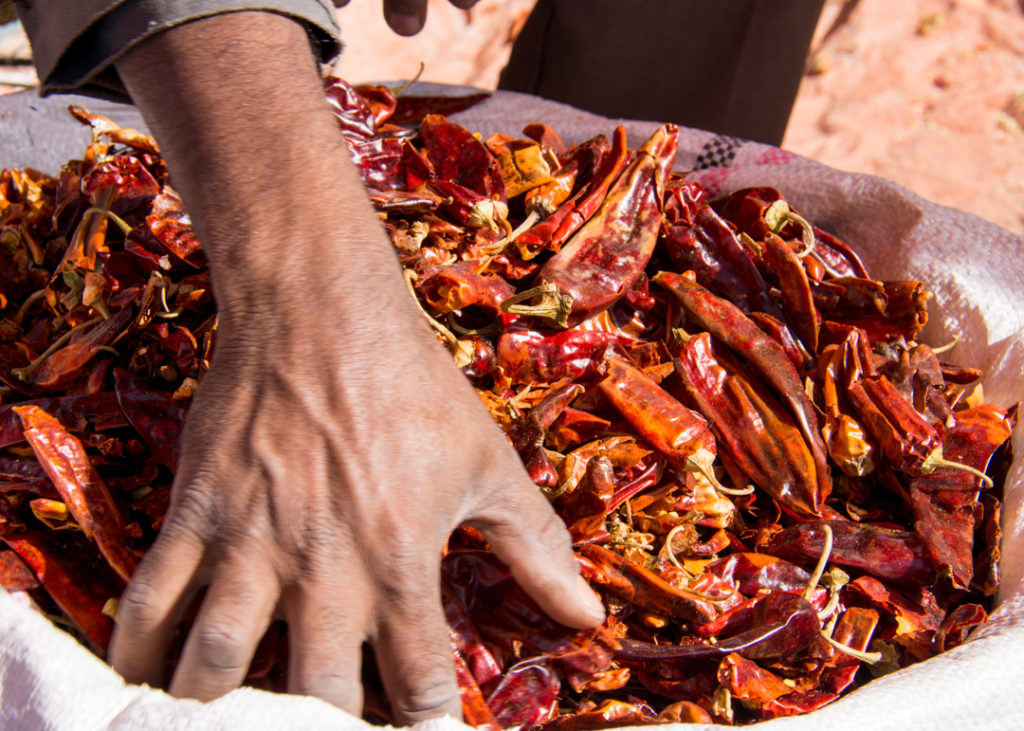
(333, 446)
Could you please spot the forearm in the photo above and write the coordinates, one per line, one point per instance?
(236, 103)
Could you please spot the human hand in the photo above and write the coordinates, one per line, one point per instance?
(406, 17)
(332, 446)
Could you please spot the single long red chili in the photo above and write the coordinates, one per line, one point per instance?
(68, 466)
(544, 356)
(797, 299)
(609, 252)
(600, 164)
(666, 424)
(895, 556)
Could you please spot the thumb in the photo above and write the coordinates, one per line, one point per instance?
(529, 537)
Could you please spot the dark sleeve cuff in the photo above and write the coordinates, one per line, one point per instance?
(75, 44)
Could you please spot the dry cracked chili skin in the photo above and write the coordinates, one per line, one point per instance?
(606, 413)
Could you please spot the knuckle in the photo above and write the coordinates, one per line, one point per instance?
(139, 607)
(220, 646)
(334, 687)
(431, 696)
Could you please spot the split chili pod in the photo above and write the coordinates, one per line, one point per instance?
(761, 354)
(752, 426)
(608, 254)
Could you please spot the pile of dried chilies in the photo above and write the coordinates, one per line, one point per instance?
(778, 490)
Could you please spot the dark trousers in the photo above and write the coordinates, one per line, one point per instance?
(728, 66)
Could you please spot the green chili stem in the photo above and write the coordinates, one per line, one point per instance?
(23, 374)
(948, 346)
(121, 223)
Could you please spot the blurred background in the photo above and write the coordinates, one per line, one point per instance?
(927, 93)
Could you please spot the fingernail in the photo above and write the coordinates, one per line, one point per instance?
(405, 24)
(590, 602)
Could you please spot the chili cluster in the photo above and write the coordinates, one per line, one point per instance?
(778, 491)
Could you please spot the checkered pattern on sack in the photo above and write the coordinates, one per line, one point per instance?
(719, 152)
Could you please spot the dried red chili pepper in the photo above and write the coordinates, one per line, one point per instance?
(504, 614)
(380, 99)
(15, 575)
(762, 354)
(797, 299)
(526, 697)
(914, 618)
(355, 116)
(884, 310)
(528, 434)
(475, 710)
(609, 252)
(539, 356)
(411, 109)
(459, 285)
(847, 441)
(68, 466)
(98, 411)
(944, 501)
(758, 433)
(81, 586)
(757, 572)
(637, 585)
(600, 164)
(699, 240)
(759, 211)
(782, 625)
(895, 556)
(911, 444)
(156, 417)
(664, 423)
(748, 682)
(459, 157)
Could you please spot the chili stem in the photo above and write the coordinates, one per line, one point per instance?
(29, 301)
(948, 346)
(869, 657)
(455, 346)
(448, 335)
(553, 306)
(499, 246)
(121, 223)
(487, 331)
(826, 551)
(671, 552)
(830, 607)
(936, 460)
(701, 462)
(25, 373)
(401, 89)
